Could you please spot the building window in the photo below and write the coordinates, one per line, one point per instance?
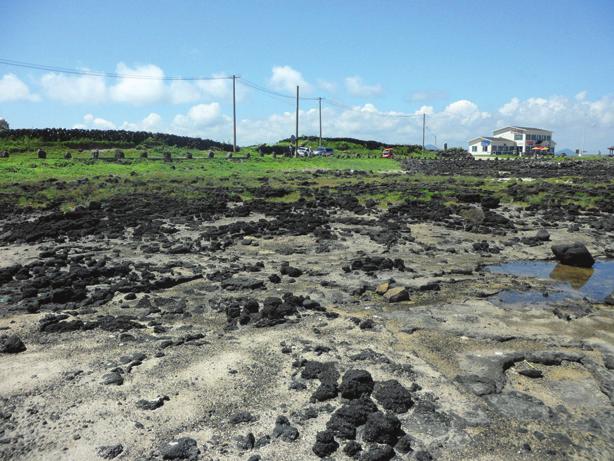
(518, 137)
(484, 148)
(474, 148)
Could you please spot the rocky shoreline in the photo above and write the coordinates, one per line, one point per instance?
(147, 327)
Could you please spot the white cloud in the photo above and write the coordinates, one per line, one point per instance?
(141, 90)
(74, 89)
(285, 78)
(204, 114)
(13, 89)
(219, 89)
(571, 119)
(181, 92)
(454, 124)
(428, 110)
(80, 89)
(95, 123)
(542, 111)
(464, 112)
(356, 87)
(198, 118)
(150, 123)
(327, 86)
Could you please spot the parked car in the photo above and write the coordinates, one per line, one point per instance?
(387, 153)
(323, 151)
(304, 152)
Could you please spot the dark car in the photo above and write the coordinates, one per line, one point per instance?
(323, 151)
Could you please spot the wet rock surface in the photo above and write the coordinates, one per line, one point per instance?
(145, 327)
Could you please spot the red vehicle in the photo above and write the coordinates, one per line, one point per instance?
(387, 153)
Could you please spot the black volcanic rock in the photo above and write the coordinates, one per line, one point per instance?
(344, 421)
(11, 344)
(573, 254)
(356, 383)
(325, 444)
(382, 428)
(393, 396)
(183, 448)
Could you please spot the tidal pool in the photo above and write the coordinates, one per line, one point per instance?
(595, 283)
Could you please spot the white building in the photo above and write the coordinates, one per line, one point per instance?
(517, 140)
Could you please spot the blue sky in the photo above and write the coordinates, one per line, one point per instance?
(472, 66)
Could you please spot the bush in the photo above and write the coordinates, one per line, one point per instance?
(120, 138)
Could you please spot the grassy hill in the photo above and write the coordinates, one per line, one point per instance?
(30, 140)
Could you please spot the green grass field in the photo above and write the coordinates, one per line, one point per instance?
(58, 183)
(27, 167)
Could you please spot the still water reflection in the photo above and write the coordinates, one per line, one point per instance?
(595, 283)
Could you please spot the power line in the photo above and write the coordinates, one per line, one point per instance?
(284, 99)
(243, 81)
(262, 89)
(66, 70)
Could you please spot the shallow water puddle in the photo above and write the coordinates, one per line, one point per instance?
(532, 297)
(570, 282)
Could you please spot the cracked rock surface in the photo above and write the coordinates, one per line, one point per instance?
(222, 330)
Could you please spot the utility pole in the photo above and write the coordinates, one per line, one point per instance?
(423, 128)
(296, 146)
(234, 115)
(320, 107)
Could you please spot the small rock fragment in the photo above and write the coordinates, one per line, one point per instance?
(531, 372)
(183, 448)
(242, 417)
(325, 444)
(381, 453)
(352, 449)
(395, 295)
(11, 344)
(151, 404)
(110, 451)
(113, 378)
(284, 430)
(246, 442)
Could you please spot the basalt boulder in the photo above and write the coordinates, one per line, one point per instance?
(344, 421)
(397, 294)
(382, 428)
(325, 444)
(573, 254)
(356, 383)
(393, 396)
